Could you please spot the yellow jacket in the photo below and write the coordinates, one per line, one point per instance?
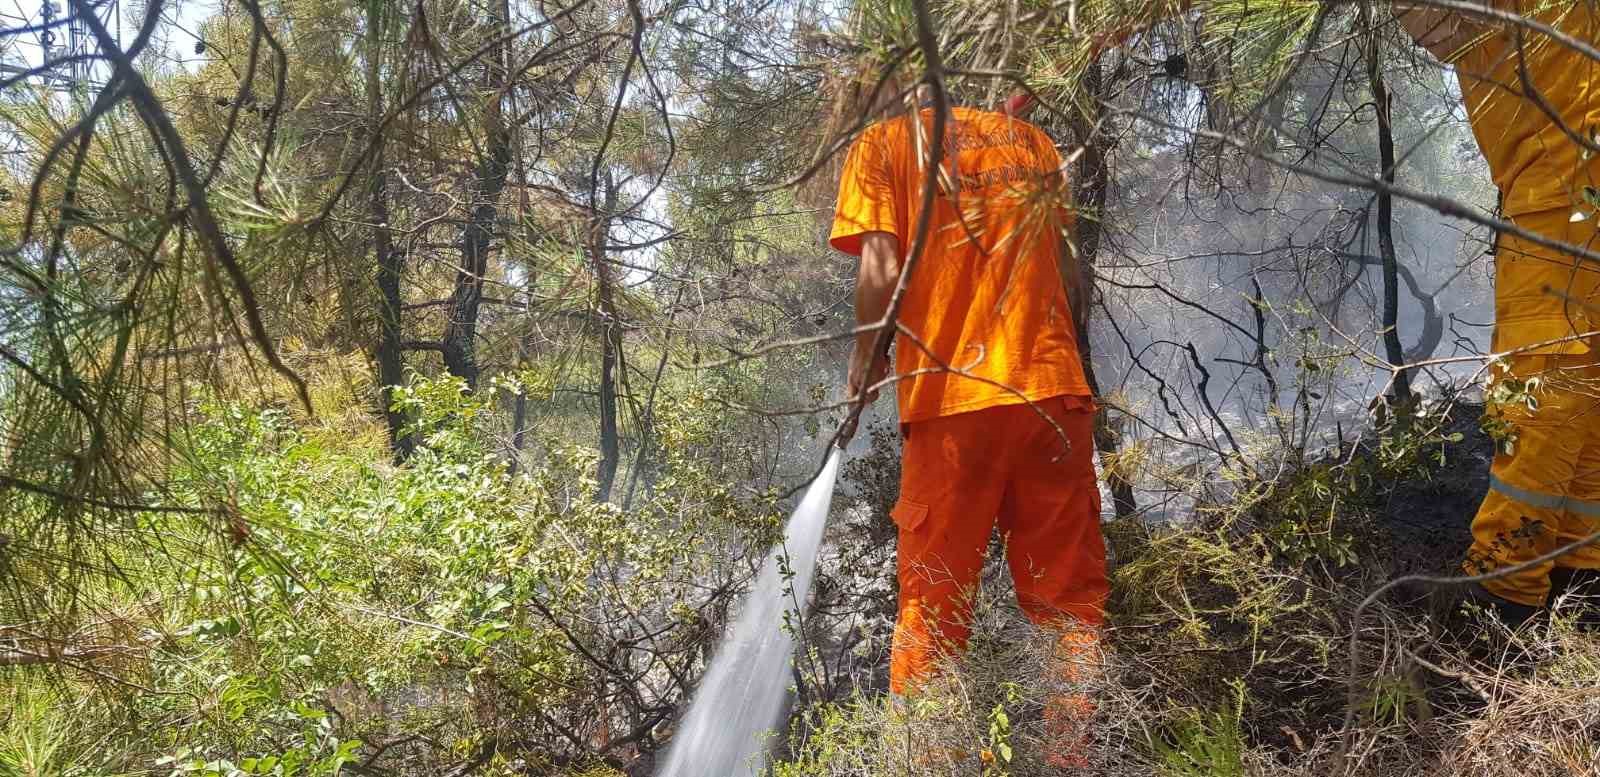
(1536, 163)
(1513, 85)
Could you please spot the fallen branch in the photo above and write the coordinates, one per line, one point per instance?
(18, 656)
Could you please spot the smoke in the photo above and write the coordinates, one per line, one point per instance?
(1201, 361)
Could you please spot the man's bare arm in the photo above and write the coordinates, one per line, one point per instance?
(875, 284)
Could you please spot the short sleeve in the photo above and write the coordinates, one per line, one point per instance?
(1060, 177)
(867, 201)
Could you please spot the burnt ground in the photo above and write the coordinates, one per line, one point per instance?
(1429, 520)
(1428, 523)
(1417, 525)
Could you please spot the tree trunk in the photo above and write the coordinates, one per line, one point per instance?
(459, 344)
(1391, 275)
(21, 657)
(610, 345)
(525, 340)
(1079, 275)
(519, 406)
(1432, 319)
(390, 262)
(1432, 325)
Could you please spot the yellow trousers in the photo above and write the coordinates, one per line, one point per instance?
(1544, 485)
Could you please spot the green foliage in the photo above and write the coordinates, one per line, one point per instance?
(1205, 743)
(834, 742)
(1506, 391)
(1391, 700)
(343, 601)
(1314, 512)
(1263, 42)
(315, 752)
(887, 28)
(42, 734)
(1305, 510)
(997, 752)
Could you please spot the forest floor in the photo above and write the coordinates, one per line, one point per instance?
(1230, 651)
(1429, 521)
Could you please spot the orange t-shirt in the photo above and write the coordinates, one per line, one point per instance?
(986, 297)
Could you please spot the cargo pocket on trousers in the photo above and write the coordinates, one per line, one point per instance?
(908, 515)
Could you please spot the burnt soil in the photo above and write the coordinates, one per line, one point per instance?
(1428, 520)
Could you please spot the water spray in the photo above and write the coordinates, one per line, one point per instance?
(742, 696)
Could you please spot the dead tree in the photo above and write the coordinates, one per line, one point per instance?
(1078, 273)
(1393, 351)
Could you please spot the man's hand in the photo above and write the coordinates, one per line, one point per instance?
(879, 274)
(866, 371)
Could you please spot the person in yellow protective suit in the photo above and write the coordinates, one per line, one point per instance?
(1534, 105)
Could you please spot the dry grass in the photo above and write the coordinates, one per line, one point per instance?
(1229, 654)
(1530, 722)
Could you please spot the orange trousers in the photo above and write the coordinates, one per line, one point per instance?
(958, 475)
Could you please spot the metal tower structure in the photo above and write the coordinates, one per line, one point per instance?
(65, 37)
(81, 71)
(55, 50)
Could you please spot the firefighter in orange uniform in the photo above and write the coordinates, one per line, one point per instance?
(995, 411)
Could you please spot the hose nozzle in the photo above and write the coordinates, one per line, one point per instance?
(848, 430)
